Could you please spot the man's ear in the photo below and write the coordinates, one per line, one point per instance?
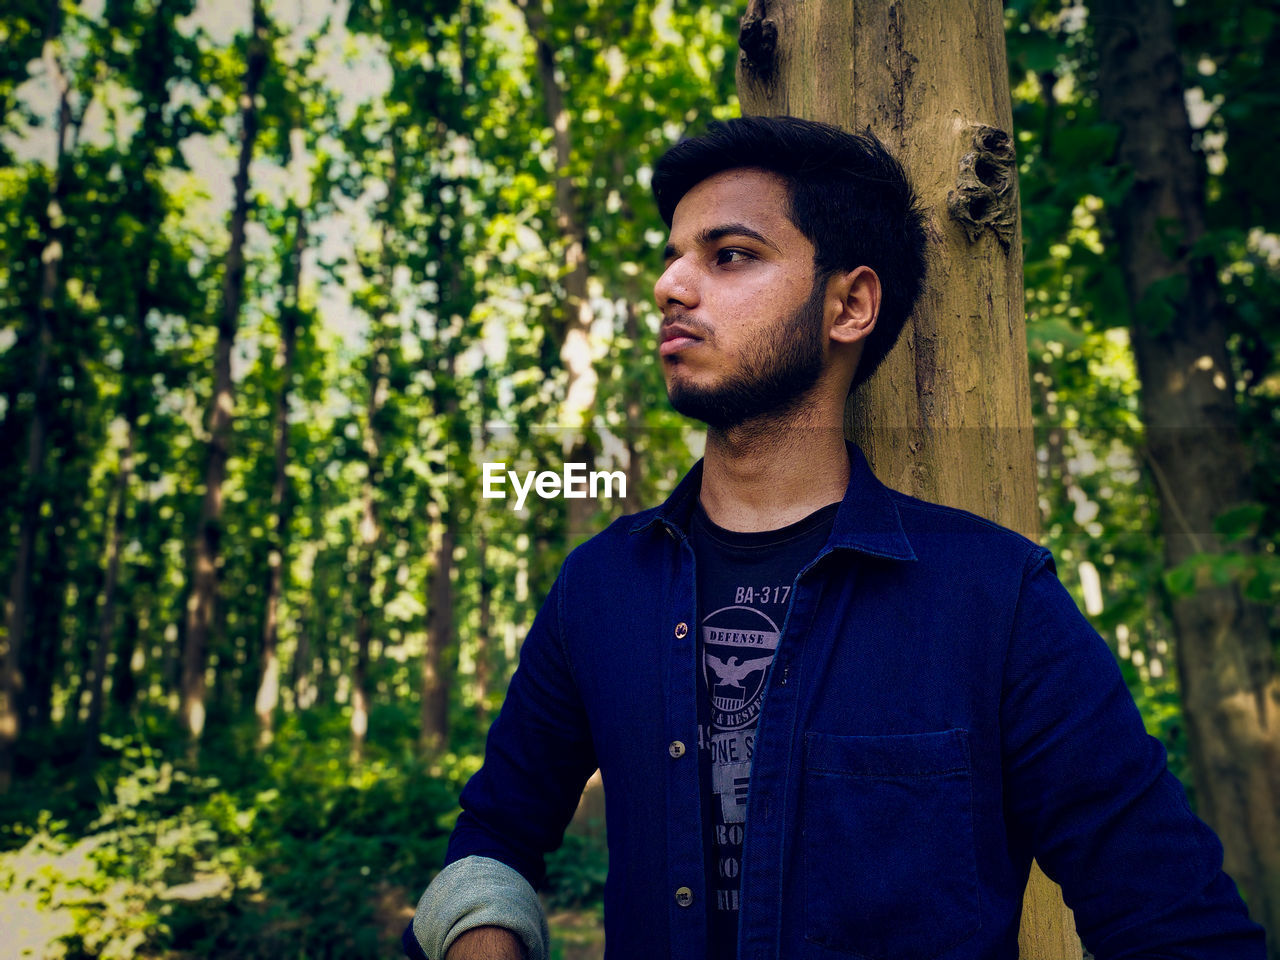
(858, 295)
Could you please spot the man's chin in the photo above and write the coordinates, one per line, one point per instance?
(709, 407)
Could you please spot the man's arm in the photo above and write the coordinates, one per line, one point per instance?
(538, 757)
(1090, 796)
(487, 943)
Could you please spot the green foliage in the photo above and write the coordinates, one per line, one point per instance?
(290, 852)
(577, 871)
(287, 852)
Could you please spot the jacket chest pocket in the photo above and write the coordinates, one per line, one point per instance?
(889, 865)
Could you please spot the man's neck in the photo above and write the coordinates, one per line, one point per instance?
(763, 477)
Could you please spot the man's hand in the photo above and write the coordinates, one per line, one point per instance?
(486, 943)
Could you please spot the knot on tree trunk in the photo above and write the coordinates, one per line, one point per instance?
(985, 197)
(758, 40)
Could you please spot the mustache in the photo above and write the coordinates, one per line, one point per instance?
(682, 318)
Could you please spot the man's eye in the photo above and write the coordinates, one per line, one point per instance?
(731, 255)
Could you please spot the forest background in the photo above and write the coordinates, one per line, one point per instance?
(276, 278)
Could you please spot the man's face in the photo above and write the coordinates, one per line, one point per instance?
(743, 334)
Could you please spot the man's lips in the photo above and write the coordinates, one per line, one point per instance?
(676, 337)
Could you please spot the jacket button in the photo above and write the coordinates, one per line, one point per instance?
(684, 896)
(682, 630)
(676, 749)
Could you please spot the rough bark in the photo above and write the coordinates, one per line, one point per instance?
(46, 322)
(269, 685)
(1194, 448)
(206, 556)
(574, 328)
(948, 417)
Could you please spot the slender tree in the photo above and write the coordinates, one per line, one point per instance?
(370, 541)
(436, 676)
(572, 325)
(106, 607)
(484, 653)
(379, 303)
(206, 555)
(281, 503)
(934, 421)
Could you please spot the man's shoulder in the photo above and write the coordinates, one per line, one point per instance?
(937, 531)
(626, 530)
(625, 539)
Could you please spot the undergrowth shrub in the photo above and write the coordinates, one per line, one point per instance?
(285, 853)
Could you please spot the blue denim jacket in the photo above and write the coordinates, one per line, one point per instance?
(938, 712)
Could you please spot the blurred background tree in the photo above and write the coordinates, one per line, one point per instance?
(432, 226)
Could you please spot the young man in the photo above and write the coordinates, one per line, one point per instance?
(832, 720)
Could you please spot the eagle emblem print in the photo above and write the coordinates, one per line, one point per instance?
(738, 644)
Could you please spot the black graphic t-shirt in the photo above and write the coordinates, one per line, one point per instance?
(744, 591)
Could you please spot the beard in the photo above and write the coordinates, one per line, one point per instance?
(771, 378)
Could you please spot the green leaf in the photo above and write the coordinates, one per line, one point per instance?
(1240, 522)
(1181, 580)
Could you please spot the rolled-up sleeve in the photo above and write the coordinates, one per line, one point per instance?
(476, 892)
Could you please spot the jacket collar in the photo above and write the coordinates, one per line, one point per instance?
(867, 521)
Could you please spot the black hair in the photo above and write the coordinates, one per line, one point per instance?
(849, 197)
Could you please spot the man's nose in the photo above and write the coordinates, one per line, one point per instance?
(676, 285)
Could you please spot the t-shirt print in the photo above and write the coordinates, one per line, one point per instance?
(738, 643)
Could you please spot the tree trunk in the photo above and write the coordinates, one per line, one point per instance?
(304, 688)
(124, 685)
(139, 617)
(574, 328)
(269, 686)
(379, 386)
(107, 606)
(311, 622)
(1230, 689)
(46, 321)
(437, 669)
(484, 634)
(370, 542)
(143, 201)
(435, 675)
(207, 553)
(935, 422)
(52, 643)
